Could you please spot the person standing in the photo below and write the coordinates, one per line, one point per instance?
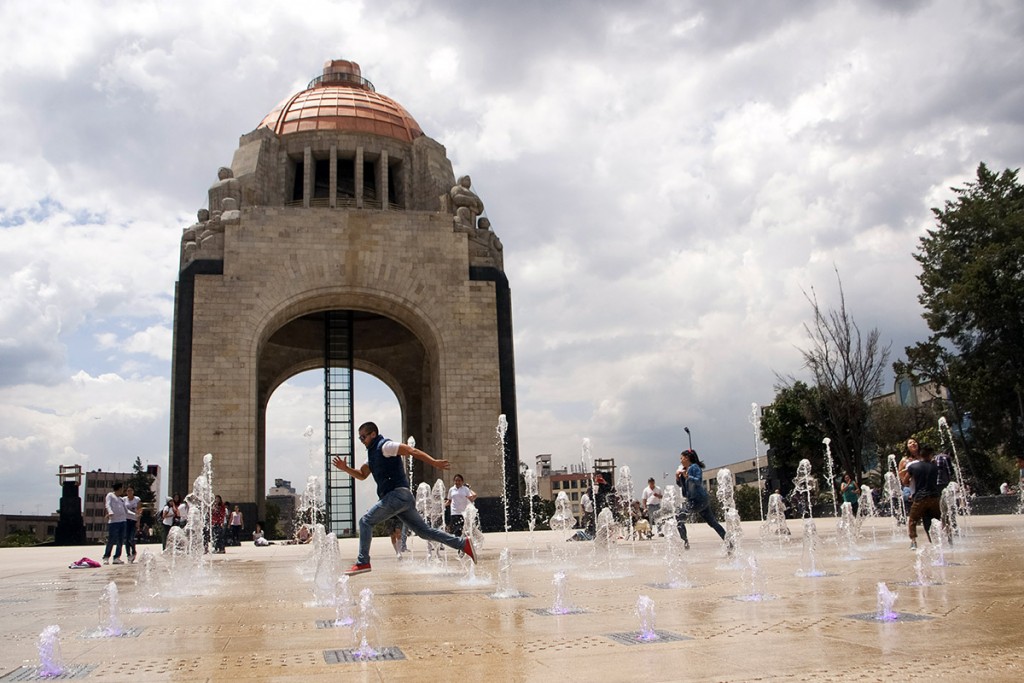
(850, 491)
(117, 515)
(459, 498)
(218, 519)
(181, 506)
(913, 453)
(236, 526)
(925, 506)
(395, 498)
(691, 474)
(167, 517)
(131, 506)
(587, 506)
(651, 498)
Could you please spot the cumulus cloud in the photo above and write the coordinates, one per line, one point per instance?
(667, 179)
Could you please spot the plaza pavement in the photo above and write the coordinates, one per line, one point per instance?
(250, 615)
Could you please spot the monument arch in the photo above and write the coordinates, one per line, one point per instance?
(340, 239)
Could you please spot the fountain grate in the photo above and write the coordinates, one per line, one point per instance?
(330, 623)
(385, 654)
(671, 586)
(546, 611)
(13, 601)
(900, 617)
(916, 584)
(760, 597)
(633, 637)
(132, 632)
(32, 673)
(494, 596)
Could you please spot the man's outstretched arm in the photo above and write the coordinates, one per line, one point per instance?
(406, 449)
(360, 474)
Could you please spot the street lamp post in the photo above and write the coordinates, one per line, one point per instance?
(689, 437)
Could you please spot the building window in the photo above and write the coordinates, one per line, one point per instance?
(346, 179)
(369, 181)
(322, 179)
(298, 180)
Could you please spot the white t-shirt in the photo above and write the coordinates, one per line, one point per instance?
(648, 497)
(460, 498)
(182, 512)
(131, 507)
(586, 503)
(116, 511)
(167, 515)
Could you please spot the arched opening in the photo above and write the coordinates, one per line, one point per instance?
(345, 341)
(297, 404)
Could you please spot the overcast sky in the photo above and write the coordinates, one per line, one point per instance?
(667, 179)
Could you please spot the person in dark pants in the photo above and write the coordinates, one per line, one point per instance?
(690, 477)
(395, 497)
(924, 474)
(117, 517)
(236, 526)
(131, 506)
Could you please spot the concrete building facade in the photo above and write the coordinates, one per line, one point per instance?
(337, 203)
(97, 485)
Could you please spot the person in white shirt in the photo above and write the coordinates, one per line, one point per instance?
(167, 516)
(182, 518)
(117, 515)
(651, 498)
(587, 506)
(131, 506)
(459, 497)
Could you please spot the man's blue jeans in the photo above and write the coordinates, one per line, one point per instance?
(115, 536)
(400, 503)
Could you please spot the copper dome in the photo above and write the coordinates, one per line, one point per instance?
(342, 100)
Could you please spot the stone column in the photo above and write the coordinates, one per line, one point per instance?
(309, 170)
(332, 191)
(382, 180)
(359, 177)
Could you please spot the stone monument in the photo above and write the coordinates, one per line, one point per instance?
(339, 239)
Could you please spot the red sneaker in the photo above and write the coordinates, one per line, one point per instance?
(358, 569)
(467, 549)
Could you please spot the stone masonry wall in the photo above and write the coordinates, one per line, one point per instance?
(280, 263)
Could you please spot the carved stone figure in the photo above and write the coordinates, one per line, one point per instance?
(192, 232)
(466, 203)
(190, 235)
(229, 210)
(226, 186)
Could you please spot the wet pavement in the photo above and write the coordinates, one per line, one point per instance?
(250, 615)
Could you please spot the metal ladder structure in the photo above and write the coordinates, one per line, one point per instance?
(339, 488)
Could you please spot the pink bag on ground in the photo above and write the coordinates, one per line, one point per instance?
(84, 563)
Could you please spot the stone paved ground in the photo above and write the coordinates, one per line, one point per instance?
(250, 616)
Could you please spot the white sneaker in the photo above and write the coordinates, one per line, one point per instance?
(117, 560)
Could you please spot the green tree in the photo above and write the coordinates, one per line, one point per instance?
(748, 503)
(847, 367)
(142, 482)
(791, 429)
(270, 530)
(973, 298)
(892, 424)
